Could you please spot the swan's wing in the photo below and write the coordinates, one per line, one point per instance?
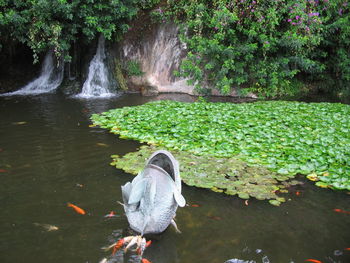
(137, 191)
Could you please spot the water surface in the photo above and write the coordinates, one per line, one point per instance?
(50, 156)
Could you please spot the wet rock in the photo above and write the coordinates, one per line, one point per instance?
(149, 90)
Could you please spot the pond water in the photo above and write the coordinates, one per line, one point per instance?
(50, 156)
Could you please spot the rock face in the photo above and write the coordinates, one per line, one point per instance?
(159, 54)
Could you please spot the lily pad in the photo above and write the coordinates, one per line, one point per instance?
(224, 175)
(288, 138)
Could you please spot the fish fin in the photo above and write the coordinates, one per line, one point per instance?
(137, 178)
(175, 225)
(126, 189)
(144, 225)
(180, 200)
(137, 191)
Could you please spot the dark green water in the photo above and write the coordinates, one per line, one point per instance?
(55, 157)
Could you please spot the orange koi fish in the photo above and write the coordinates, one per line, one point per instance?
(348, 248)
(340, 211)
(3, 171)
(313, 260)
(118, 245)
(77, 209)
(195, 205)
(144, 260)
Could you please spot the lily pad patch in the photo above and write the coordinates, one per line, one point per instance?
(288, 138)
(231, 176)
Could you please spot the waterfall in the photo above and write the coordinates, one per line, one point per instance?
(159, 56)
(97, 83)
(50, 78)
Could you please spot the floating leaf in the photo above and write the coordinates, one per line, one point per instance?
(275, 202)
(322, 184)
(312, 177)
(288, 138)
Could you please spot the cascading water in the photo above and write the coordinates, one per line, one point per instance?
(50, 78)
(97, 83)
(159, 57)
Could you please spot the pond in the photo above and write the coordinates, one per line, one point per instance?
(49, 156)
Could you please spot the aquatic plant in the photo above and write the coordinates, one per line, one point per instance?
(288, 138)
(224, 175)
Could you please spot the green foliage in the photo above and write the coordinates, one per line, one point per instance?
(145, 4)
(158, 15)
(133, 68)
(44, 24)
(287, 137)
(119, 75)
(226, 175)
(267, 46)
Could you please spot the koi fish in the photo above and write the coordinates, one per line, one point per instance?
(3, 171)
(77, 209)
(195, 205)
(47, 227)
(19, 123)
(341, 211)
(101, 144)
(313, 260)
(246, 202)
(111, 214)
(118, 245)
(348, 248)
(144, 260)
(141, 249)
(297, 193)
(215, 217)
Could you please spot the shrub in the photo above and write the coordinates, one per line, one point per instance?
(268, 46)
